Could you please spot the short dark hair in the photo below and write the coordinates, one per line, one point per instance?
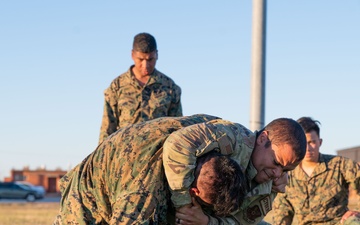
(228, 188)
(309, 124)
(145, 43)
(288, 131)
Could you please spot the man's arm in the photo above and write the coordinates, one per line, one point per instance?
(175, 107)
(180, 151)
(283, 211)
(351, 172)
(109, 121)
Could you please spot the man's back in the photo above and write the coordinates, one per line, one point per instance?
(122, 181)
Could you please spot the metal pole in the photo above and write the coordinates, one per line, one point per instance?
(257, 109)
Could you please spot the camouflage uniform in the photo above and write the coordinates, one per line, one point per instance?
(184, 146)
(320, 198)
(122, 181)
(126, 102)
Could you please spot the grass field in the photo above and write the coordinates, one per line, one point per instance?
(37, 213)
(44, 213)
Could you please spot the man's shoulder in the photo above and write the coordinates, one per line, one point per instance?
(164, 79)
(334, 158)
(337, 161)
(328, 157)
(121, 80)
(161, 74)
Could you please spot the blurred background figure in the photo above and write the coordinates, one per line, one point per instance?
(318, 189)
(142, 93)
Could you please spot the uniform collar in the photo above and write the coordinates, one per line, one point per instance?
(154, 77)
(251, 171)
(259, 189)
(320, 168)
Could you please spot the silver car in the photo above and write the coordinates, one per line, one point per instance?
(11, 190)
(39, 189)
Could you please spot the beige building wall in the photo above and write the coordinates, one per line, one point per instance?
(351, 153)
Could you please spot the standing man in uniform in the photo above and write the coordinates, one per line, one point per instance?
(318, 189)
(140, 94)
(123, 181)
(264, 156)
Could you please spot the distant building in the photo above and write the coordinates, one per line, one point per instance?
(49, 179)
(351, 153)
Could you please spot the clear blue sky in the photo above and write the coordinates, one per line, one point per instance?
(57, 57)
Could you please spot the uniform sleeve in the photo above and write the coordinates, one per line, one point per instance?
(351, 172)
(176, 107)
(109, 121)
(283, 212)
(180, 151)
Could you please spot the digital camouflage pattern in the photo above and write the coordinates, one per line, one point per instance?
(126, 102)
(322, 197)
(122, 181)
(185, 145)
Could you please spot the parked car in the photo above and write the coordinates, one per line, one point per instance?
(39, 189)
(12, 190)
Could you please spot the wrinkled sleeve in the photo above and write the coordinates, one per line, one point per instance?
(351, 172)
(180, 151)
(176, 107)
(109, 121)
(283, 211)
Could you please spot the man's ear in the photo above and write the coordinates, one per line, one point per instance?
(262, 139)
(194, 191)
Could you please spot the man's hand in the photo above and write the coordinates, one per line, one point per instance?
(280, 183)
(348, 214)
(191, 214)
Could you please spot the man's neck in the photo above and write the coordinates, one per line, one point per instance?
(308, 167)
(142, 79)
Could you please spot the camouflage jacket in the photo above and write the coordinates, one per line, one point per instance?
(320, 198)
(126, 102)
(122, 181)
(183, 147)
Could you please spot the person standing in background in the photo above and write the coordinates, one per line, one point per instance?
(142, 93)
(318, 189)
